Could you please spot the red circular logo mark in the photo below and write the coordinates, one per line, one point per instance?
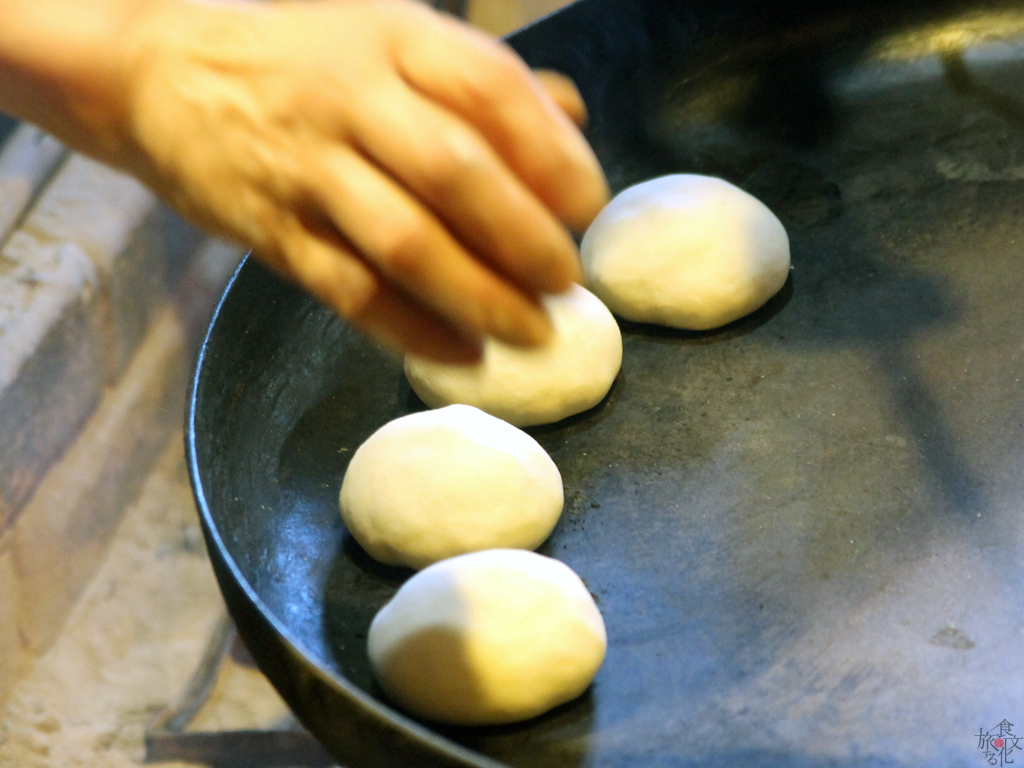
(998, 743)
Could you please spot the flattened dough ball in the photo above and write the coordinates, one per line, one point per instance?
(490, 637)
(685, 251)
(441, 483)
(568, 375)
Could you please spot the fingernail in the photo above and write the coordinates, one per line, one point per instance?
(465, 352)
(582, 155)
(563, 267)
(528, 327)
(575, 269)
(591, 194)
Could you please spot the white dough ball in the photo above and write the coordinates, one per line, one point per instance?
(490, 637)
(568, 375)
(440, 483)
(686, 251)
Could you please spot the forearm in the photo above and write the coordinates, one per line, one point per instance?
(65, 65)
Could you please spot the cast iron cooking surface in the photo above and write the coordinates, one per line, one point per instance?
(804, 530)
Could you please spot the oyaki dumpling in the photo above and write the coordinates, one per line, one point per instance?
(685, 251)
(435, 484)
(489, 637)
(568, 375)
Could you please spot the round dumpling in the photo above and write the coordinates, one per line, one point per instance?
(440, 483)
(568, 375)
(685, 251)
(490, 637)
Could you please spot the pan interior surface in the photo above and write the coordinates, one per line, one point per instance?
(803, 530)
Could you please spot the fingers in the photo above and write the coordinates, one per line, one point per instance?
(489, 87)
(326, 267)
(564, 93)
(412, 174)
(459, 177)
(407, 245)
(405, 327)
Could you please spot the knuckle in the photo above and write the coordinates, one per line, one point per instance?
(499, 74)
(402, 247)
(459, 151)
(357, 297)
(456, 156)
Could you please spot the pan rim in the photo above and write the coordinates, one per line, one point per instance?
(416, 732)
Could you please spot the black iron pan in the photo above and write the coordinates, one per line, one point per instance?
(805, 530)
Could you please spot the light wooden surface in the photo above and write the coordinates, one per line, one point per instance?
(499, 17)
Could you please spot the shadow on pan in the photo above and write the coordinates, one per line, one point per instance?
(746, 491)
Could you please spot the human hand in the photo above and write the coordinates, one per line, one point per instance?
(407, 170)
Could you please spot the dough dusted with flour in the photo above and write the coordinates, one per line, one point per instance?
(441, 483)
(570, 374)
(490, 637)
(686, 251)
